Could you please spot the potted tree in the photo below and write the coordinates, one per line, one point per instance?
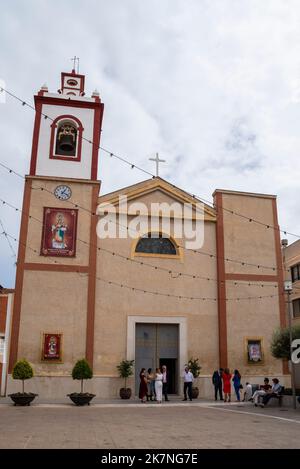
(280, 348)
(280, 344)
(195, 369)
(81, 371)
(125, 369)
(22, 370)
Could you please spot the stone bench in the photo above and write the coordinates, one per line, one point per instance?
(283, 401)
(275, 400)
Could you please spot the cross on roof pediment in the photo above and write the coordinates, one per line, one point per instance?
(137, 192)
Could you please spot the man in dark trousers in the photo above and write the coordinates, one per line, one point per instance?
(217, 382)
(188, 379)
(165, 382)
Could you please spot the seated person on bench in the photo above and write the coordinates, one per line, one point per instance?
(274, 392)
(263, 389)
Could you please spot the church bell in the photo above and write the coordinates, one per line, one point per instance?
(66, 143)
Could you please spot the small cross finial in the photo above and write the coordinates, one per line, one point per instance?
(157, 161)
(74, 60)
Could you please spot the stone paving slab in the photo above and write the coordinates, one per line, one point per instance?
(174, 425)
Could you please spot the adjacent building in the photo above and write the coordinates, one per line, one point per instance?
(6, 306)
(291, 255)
(292, 263)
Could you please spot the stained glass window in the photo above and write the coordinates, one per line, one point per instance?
(155, 245)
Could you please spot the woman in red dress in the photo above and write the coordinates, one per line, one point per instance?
(226, 376)
(143, 385)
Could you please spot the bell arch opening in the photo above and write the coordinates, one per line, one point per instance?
(66, 138)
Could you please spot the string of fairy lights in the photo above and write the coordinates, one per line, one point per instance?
(202, 252)
(113, 253)
(8, 241)
(172, 272)
(139, 168)
(135, 289)
(146, 291)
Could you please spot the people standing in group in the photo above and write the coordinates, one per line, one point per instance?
(188, 379)
(264, 388)
(226, 377)
(143, 385)
(237, 384)
(217, 382)
(165, 382)
(150, 385)
(158, 385)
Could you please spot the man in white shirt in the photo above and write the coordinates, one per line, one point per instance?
(188, 379)
(248, 392)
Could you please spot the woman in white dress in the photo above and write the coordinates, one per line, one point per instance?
(158, 385)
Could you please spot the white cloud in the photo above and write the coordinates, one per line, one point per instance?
(213, 86)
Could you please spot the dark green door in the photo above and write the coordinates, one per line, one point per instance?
(157, 345)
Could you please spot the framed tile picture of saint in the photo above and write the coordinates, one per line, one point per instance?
(59, 232)
(254, 350)
(52, 347)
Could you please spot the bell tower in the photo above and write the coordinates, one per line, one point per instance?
(67, 130)
(54, 307)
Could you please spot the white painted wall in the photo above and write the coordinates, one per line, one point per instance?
(70, 169)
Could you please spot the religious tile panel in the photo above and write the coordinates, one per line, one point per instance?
(52, 347)
(254, 351)
(59, 232)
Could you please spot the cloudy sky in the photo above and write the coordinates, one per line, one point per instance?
(212, 85)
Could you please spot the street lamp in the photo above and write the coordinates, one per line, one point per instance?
(288, 288)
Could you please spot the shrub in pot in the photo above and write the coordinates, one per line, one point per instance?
(195, 369)
(81, 371)
(23, 371)
(125, 369)
(280, 344)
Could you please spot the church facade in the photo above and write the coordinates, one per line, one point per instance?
(144, 297)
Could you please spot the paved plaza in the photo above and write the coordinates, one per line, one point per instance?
(118, 424)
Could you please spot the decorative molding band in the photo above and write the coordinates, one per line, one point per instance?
(56, 267)
(252, 277)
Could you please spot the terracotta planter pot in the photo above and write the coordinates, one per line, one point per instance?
(23, 399)
(195, 392)
(125, 393)
(81, 399)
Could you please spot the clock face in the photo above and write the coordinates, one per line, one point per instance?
(63, 192)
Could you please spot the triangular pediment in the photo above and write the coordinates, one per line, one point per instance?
(157, 190)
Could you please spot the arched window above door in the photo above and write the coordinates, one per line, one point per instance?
(156, 243)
